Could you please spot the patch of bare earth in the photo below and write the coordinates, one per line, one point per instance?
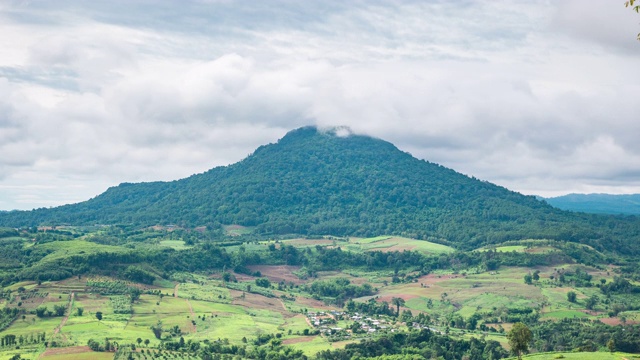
(538, 250)
(66, 351)
(388, 298)
(256, 301)
(278, 273)
(244, 277)
(298, 340)
(312, 303)
(616, 321)
(394, 248)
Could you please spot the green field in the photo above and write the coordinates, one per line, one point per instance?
(202, 311)
(174, 244)
(394, 243)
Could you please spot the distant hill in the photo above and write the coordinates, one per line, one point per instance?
(325, 182)
(598, 203)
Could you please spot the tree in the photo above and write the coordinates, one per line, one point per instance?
(134, 293)
(139, 341)
(519, 338)
(592, 302)
(226, 277)
(99, 315)
(59, 309)
(138, 274)
(536, 275)
(157, 330)
(528, 279)
(571, 296)
(146, 342)
(41, 311)
(79, 311)
(262, 282)
(94, 345)
(356, 327)
(406, 317)
(397, 302)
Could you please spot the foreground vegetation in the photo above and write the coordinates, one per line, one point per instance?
(170, 292)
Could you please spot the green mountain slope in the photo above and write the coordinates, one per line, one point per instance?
(315, 182)
(598, 203)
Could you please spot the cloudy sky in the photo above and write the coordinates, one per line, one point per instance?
(537, 96)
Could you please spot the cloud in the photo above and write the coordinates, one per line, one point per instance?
(610, 26)
(526, 95)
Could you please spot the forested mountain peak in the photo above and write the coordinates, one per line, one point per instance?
(318, 181)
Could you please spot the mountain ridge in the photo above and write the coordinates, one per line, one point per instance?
(313, 181)
(624, 204)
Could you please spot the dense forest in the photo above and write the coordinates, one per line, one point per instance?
(314, 182)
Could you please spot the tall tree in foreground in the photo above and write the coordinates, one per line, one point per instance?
(519, 338)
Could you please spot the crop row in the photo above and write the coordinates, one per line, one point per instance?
(108, 286)
(121, 304)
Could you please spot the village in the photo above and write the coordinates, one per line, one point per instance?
(337, 325)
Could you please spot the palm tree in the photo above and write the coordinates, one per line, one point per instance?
(397, 302)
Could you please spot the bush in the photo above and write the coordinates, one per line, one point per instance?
(263, 282)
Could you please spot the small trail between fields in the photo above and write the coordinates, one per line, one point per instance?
(65, 318)
(193, 317)
(283, 306)
(308, 321)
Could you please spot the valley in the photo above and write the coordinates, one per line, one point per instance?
(279, 305)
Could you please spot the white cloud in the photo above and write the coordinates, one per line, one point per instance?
(531, 96)
(611, 26)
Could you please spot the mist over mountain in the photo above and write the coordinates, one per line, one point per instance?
(598, 203)
(330, 181)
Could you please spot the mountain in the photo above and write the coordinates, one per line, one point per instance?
(598, 203)
(327, 182)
